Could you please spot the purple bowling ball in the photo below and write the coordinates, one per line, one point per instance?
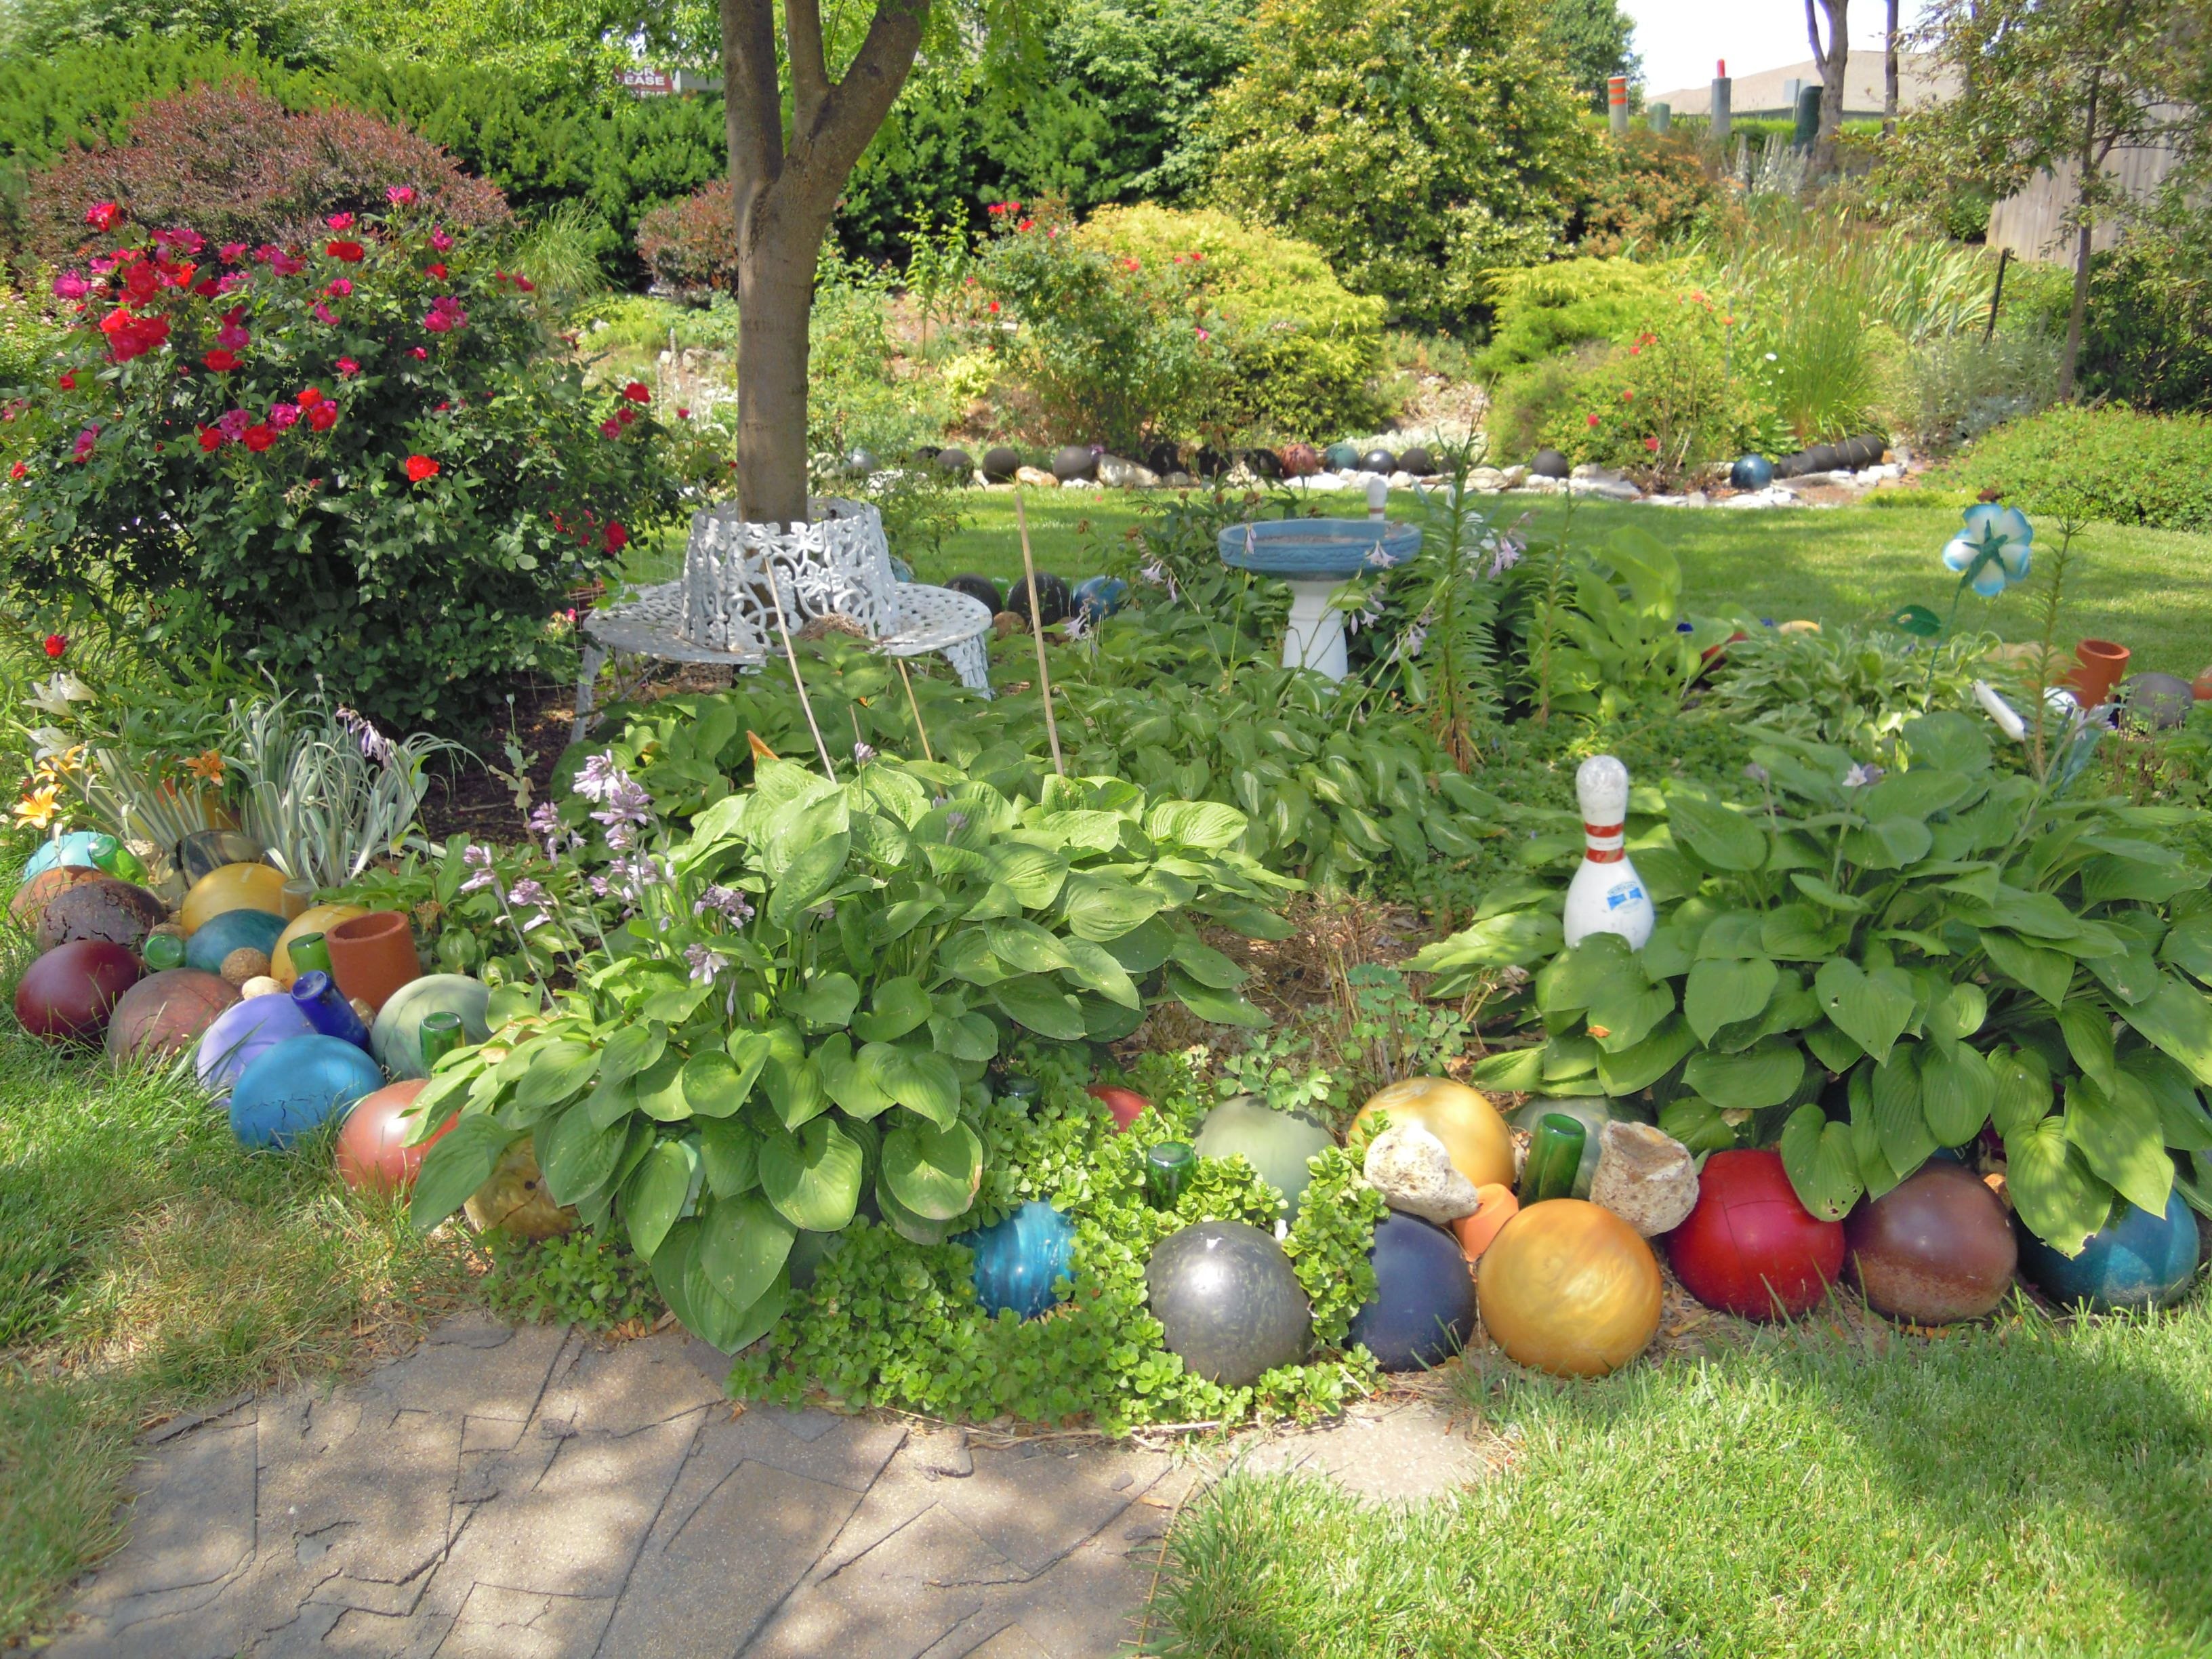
(241, 1033)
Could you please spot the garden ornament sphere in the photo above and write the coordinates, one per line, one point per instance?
(1593, 1112)
(1053, 598)
(1994, 547)
(38, 891)
(108, 909)
(1423, 1307)
(1074, 461)
(241, 1034)
(1126, 1105)
(1229, 1302)
(72, 851)
(1341, 456)
(315, 918)
(294, 1087)
(1418, 461)
(979, 587)
(1097, 598)
(166, 1013)
(1476, 1233)
(514, 1202)
(859, 463)
(1751, 472)
(245, 965)
(1550, 464)
(374, 1156)
(210, 945)
(2159, 701)
(1262, 463)
(234, 887)
(1749, 1248)
(205, 851)
(1475, 1137)
(1936, 1249)
(1570, 1289)
(1164, 458)
(1379, 460)
(954, 464)
(397, 1038)
(2136, 1260)
(1018, 1259)
(1000, 464)
(1275, 1144)
(66, 994)
(1300, 461)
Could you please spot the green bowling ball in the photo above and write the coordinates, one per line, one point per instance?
(1276, 1144)
(396, 1039)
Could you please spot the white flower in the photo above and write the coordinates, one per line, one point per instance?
(54, 696)
(51, 740)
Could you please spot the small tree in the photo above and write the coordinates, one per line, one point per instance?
(1832, 60)
(1596, 40)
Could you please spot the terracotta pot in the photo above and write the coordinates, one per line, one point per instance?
(2201, 687)
(373, 956)
(2101, 664)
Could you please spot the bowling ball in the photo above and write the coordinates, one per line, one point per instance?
(1229, 1302)
(1263, 463)
(1379, 460)
(211, 944)
(315, 918)
(1000, 465)
(982, 588)
(166, 1013)
(1341, 456)
(1126, 1104)
(71, 851)
(1480, 1145)
(1748, 1247)
(1593, 1112)
(294, 1087)
(1299, 461)
(2136, 1260)
(1075, 461)
(1550, 464)
(66, 994)
(241, 1033)
(29, 904)
(1053, 598)
(1570, 1289)
(1751, 472)
(2159, 701)
(234, 887)
(1018, 1259)
(374, 1156)
(1276, 1144)
(397, 1038)
(1936, 1249)
(207, 850)
(1424, 1305)
(105, 909)
(954, 463)
(513, 1200)
(1417, 461)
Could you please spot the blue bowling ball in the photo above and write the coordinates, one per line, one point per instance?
(1097, 597)
(1016, 1259)
(2139, 1261)
(296, 1086)
(1423, 1307)
(1751, 472)
(74, 848)
(231, 930)
(242, 1033)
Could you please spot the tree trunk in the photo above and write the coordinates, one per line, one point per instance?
(2085, 186)
(1889, 74)
(1831, 63)
(777, 263)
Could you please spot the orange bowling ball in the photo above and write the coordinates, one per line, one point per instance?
(1480, 1145)
(1570, 1289)
(374, 1156)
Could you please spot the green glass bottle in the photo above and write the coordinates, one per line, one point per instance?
(1555, 1152)
(311, 954)
(117, 859)
(1015, 1086)
(1167, 1166)
(439, 1033)
(163, 951)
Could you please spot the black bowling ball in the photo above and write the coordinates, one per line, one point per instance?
(1209, 463)
(2159, 701)
(1417, 461)
(1423, 1307)
(1000, 464)
(1550, 464)
(956, 463)
(1263, 463)
(979, 587)
(1053, 601)
(1378, 460)
(1164, 458)
(1075, 461)
(1228, 1302)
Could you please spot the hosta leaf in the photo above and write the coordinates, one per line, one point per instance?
(1105, 1021)
(790, 1077)
(1958, 1014)
(1632, 1069)
(730, 1152)
(1714, 834)
(2044, 971)
(458, 1162)
(828, 1001)
(967, 955)
(1576, 977)
(2052, 1186)
(1764, 1075)
(1100, 909)
(2023, 1093)
(2149, 880)
(1032, 874)
(654, 1195)
(577, 1157)
(1206, 965)
(1512, 940)
(1697, 1124)
(1568, 1057)
(2119, 1133)
(1866, 1135)
(918, 1229)
(1799, 932)
(1732, 934)
(2188, 946)
(1871, 1008)
(1889, 843)
(1025, 946)
(2177, 1019)
(611, 1100)
(1624, 1013)
(1142, 948)
(2087, 1029)
(1042, 1005)
(1817, 1157)
(2181, 1112)
(920, 1080)
(2131, 977)
(1214, 1007)
(1899, 1118)
(1207, 825)
(813, 1177)
(1722, 993)
(854, 1080)
(713, 1084)
(1827, 897)
(557, 1071)
(898, 1006)
(658, 1091)
(809, 875)
(630, 1050)
(1520, 1070)
(742, 1245)
(1833, 1048)
(931, 1170)
(968, 1037)
(1957, 1091)
(1915, 795)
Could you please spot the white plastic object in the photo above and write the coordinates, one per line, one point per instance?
(2006, 717)
(1606, 896)
(1379, 498)
(1315, 636)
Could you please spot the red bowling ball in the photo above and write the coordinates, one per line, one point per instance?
(1126, 1104)
(1749, 1248)
(164, 1014)
(67, 995)
(374, 1156)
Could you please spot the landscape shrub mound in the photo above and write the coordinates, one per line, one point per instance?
(2117, 464)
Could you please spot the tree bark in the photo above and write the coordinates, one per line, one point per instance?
(1831, 63)
(2089, 162)
(1889, 74)
(785, 175)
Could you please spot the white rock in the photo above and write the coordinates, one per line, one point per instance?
(1114, 473)
(1037, 477)
(1644, 1177)
(1515, 476)
(1610, 489)
(1410, 1167)
(1485, 478)
(259, 985)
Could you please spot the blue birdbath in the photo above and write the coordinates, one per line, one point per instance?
(1317, 557)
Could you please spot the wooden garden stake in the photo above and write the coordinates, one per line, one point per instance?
(782, 627)
(1036, 633)
(921, 730)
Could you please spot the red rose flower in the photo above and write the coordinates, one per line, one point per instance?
(260, 436)
(18, 470)
(323, 416)
(617, 537)
(611, 429)
(437, 271)
(637, 392)
(208, 288)
(210, 440)
(68, 383)
(419, 353)
(340, 221)
(102, 215)
(1590, 419)
(309, 396)
(348, 367)
(420, 467)
(56, 645)
(524, 284)
(220, 360)
(348, 252)
(994, 308)
(1651, 444)
(142, 283)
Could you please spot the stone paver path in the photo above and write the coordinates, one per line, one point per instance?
(506, 1494)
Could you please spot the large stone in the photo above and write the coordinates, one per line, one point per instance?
(1410, 1167)
(1035, 478)
(1117, 474)
(1644, 1177)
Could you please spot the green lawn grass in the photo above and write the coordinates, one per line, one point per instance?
(2025, 1490)
(2149, 589)
(149, 1265)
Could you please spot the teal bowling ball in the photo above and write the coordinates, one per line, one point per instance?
(2136, 1260)
(1751, 472)
(1229, 1302)
(295, 1086)
(397, 1038)
(231, 930)
(1276, 1144)
(1018, 1260)
(74, 848)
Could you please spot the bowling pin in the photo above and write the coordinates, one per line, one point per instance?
(1606, 896)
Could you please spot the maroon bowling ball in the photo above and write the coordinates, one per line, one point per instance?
(105, 909)
(1749, 1248)
(67, 995)
(165, 1013)
(1936, 1249)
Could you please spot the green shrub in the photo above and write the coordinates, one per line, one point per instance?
(1538, 310)
(1299, 350)
(2148, 339)
(1956, 388)
(2111, 463)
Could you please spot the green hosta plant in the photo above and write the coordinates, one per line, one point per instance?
(1866, 966)
(797, 1018)
(1849, 686)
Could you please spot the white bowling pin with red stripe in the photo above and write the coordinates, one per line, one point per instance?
(1606, 896)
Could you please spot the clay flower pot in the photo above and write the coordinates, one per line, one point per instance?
(373, 956)
(2101, 665)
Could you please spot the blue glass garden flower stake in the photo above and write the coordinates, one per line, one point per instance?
(1992, 551)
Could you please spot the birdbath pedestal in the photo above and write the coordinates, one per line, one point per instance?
(1317, 557)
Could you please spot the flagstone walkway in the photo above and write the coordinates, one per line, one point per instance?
(528, 1493)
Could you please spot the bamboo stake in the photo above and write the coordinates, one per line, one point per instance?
(1036, 633)
(797, 680)
(921, 730)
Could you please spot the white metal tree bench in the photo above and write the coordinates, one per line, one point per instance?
(721, 611)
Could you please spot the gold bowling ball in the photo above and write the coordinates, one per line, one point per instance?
(1480, 1145)
(233, 887)
(1570, 1289)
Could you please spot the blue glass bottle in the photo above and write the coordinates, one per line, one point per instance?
(316, 996)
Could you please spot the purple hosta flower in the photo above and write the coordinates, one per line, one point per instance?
(1368, 610)
(863, 753)
(596, 776)
(956, 822)
(232, 423)
(1415, 636)
(479, 859)
(374, 746)
(621, 837)
(1504, 554)
(730, 904)
(1158, 575)
(1379, 558)
(1076, 626)
(1859, 776)
(545, 819)
(625, 801)
(705, 964)
(1755, 772)
(599, 888)
(530, 893)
